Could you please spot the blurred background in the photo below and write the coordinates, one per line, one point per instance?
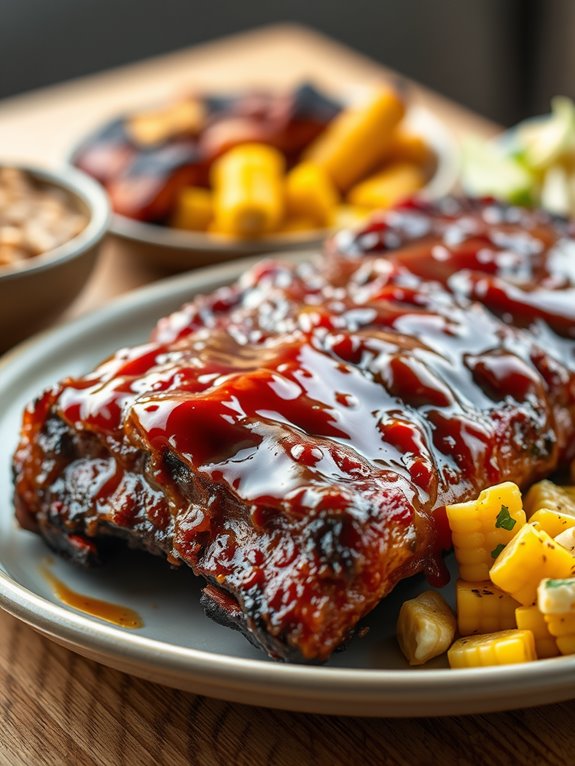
(502, 58)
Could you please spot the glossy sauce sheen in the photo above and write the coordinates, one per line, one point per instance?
(295, 437)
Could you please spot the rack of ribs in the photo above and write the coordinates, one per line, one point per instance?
(294, 437)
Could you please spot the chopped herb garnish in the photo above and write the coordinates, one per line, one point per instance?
(557, 583)
(497, 550)
(504, 520)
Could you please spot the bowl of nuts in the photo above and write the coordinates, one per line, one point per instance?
(51, 226)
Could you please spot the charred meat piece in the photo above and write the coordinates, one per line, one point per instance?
(293, 438)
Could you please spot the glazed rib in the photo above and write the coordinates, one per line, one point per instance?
(293, 438)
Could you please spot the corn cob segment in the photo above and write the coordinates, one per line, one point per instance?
(482, 527)
(248, 190)
(425, 627)
(552, 522)
(531, 556)
(310, 193)
(553, 497)
(556, 600)
(194, 209)
(483, 608)
(392, 184)
(357, 138)
(567, 539)
(507, 647)
(530, 618)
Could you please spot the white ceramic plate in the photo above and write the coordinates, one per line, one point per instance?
(178, 645)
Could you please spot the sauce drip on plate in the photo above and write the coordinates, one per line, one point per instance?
(104, 610)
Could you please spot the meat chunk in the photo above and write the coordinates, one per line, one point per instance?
(293, 438)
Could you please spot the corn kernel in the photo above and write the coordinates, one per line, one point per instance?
(553, 497)
(567, 539)
(530, 618)
(526, 560)
(507, 647)
(310, 193)
(552, 522)
(556, 600)
(483, 608)
(425, 627)
(194, 209)
(480, 527)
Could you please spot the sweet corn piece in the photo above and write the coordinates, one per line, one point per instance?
(531, 556)
(507, 647)
(349, 216)
(483, 608)
(481, 527)
(530, 618)
(550, 496)
(556, 600)
(194, 209)
(354, 141)
(248, 190)
(552, 522)
(311, 193)
(390, 185)
(425, 627)
(567, 539)
(409, 147)
(297, 224)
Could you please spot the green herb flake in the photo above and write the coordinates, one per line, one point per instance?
(504, 520)
(557, 583)
(496, 551)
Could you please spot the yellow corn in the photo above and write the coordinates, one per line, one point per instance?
(355, 140)
(194, 209)
(159, 125)
(298, 224)
(311, 193)
(390, 185)
(530, 618)
(483, 608)
(566, 539)
(480, 527)
(550, 496)
(409, 147)
(526, 560)
(508, 647)
(556, 601)
(348, 216)
(425, 627)
(248, 190)
(552, 522)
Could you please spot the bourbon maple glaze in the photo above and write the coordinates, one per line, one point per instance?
(295, 437)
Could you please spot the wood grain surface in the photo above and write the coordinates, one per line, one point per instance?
(58, 708)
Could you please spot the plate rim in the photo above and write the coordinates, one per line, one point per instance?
(298, 687)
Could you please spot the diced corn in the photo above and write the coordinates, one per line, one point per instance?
(425, 627)
(553, 497)
(483, 608)
(480, 527)
(567, 539)
(530, 618)
(194, 209)
(530, 556)
(552, 522)
(390, 185)
(310, 193)
(357, 138)
(248, 190)
(409, 147)
(556, 600)
(508, 647)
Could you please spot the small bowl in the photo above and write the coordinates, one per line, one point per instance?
(170, 250)
(34, 293)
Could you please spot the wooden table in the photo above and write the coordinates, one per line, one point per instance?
(59, 708)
